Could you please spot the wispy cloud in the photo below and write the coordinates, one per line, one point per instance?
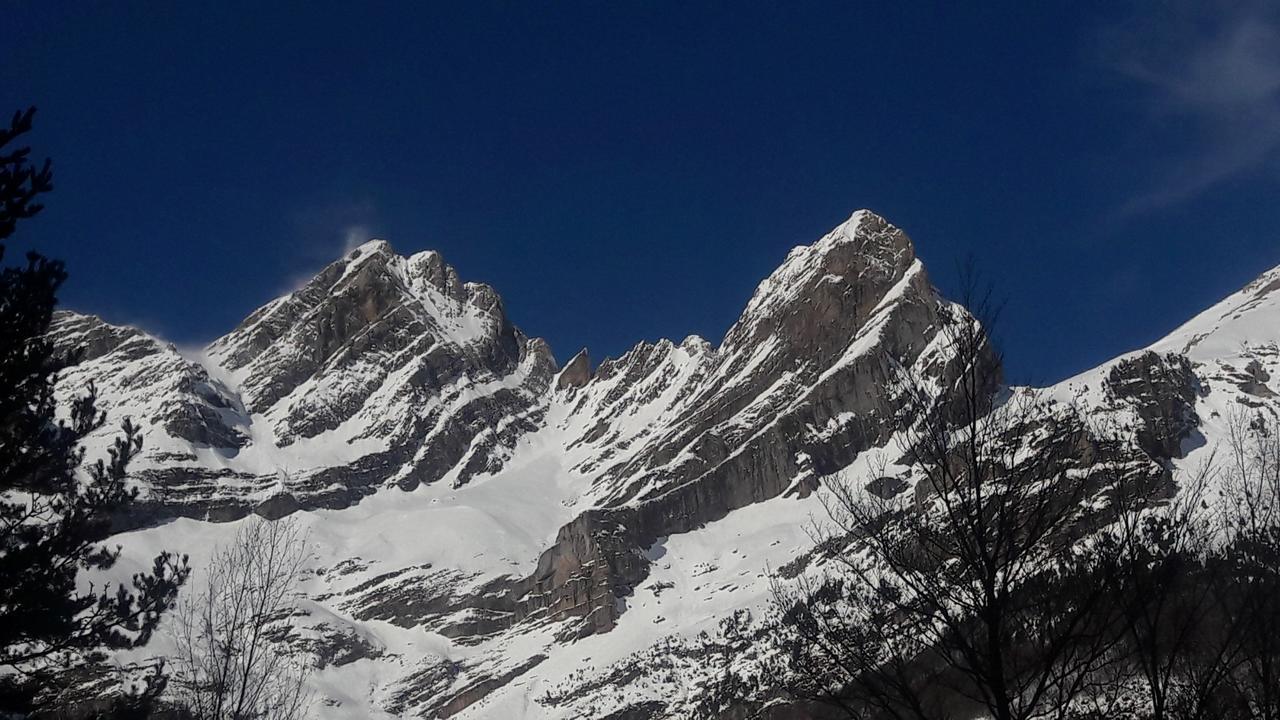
(1212, 76)
(328, 228)
(355, 235)
(328, 231)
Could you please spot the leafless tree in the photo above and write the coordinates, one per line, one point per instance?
(974, 587)
(230, 663)
(1250, 591)
(1163, 591)
(846, 648)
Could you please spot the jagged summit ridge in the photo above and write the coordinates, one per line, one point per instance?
(381, 368)
(831, 312)
(370, 304)
(347, 301)
(390, 369)
(461, 486)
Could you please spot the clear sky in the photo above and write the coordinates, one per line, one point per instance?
(627, 171)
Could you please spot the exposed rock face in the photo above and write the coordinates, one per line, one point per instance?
(576, 373)
(1255, 380)
(596, 560)
(1162, 390)
(496, 538)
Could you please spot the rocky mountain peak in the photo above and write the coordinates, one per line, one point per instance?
(369, 301)
(811, 308)
(372, 246)
(429, 266)
(576, 372)
(373, 357)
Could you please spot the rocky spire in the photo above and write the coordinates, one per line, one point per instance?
(576, 373)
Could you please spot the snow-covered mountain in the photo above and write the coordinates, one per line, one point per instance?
(496, 537)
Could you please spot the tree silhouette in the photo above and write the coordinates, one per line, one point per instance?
(54, 512)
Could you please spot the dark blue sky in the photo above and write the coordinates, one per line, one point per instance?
(622, 171)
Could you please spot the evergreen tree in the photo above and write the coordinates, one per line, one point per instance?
(54, 515)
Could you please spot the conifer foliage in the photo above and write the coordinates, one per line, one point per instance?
(54, 510)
